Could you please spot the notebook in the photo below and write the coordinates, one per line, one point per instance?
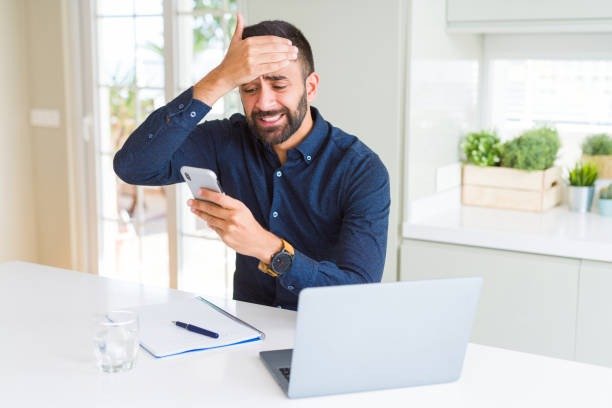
(161, 338)
(375, 336)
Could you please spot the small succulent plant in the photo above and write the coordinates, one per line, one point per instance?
(606, 193)
(583, 175)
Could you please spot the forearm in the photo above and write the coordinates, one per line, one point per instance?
(146, 155)
(212, 87)
(307, 272)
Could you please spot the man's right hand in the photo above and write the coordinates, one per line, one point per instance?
(244, 61)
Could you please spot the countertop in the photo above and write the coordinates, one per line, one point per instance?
(557, 232)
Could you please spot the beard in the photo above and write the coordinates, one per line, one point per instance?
(274, 135)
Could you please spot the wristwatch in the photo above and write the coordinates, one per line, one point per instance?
(281, 261)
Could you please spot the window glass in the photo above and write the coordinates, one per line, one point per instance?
(131, 66)
(204, 30)
(575, 96)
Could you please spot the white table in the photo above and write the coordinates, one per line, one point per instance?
(46, 359)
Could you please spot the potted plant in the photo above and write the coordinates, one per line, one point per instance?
(519, 174)
(535, 149)
(597, 149)
(482, 148)
(581, 187)
(605, 201)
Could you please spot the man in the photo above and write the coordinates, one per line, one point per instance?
(305, 204)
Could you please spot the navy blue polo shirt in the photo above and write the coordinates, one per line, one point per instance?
(330, 200)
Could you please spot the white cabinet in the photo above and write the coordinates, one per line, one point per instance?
(594, 328)
(490, 16)
(528, 302)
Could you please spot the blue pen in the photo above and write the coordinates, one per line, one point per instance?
(197, 329)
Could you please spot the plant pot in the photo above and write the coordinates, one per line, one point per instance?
(603, 163)
(605, 207)
(580, 199)
(502, 187)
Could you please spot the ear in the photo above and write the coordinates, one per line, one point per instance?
(312, 86)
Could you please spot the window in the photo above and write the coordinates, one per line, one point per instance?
(145, 53)
(564, 81)
(205, 28)
(132, 223)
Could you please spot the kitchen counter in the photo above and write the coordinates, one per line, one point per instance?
(557, 231)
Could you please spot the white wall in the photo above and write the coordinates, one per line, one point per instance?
(49, 145)
(371, 57)
(443, 104)
(34, 199)
(17, 206)
(359, 51)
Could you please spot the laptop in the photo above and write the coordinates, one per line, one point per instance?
(367, 337)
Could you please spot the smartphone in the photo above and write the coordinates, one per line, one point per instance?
(198, 178)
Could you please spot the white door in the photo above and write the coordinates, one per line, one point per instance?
(142, 54)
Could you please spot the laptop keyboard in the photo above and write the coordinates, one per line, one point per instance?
(286, 372)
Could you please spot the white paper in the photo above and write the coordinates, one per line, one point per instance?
(161, 337)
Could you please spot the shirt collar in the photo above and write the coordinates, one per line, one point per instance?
(311, 145)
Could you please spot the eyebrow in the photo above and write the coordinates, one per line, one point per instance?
(268, 78)
(275, 77)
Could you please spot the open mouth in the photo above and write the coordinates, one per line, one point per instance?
(270, 120)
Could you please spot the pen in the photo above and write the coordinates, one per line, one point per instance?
(197, 329)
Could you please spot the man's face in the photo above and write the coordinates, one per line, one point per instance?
(275, 104)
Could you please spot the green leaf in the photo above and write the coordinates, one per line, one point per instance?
(482, 148)
(599, 144)
(535, 149)
(606, 192)
(583, 175)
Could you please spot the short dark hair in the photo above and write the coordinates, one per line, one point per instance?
(285, 30)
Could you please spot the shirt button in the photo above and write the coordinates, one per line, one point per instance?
(308, 158)
(192, 114)
(279, 173)
(181, 106)
(290, 287)
(150, 135)
(274, 214)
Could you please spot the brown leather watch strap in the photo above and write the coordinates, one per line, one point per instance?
(267, 269)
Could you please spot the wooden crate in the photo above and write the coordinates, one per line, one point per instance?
(501, 187)
(603, 163)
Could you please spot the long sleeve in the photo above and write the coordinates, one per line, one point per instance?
(361, 248)
(155, 151)
(330, 199)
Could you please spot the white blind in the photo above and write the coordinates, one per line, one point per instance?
(562, 92)
(559, 80)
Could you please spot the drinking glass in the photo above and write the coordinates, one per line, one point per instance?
(116, 340)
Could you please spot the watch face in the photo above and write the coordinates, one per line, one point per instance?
(281, 262)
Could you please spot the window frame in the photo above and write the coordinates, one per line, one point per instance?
(82, 19)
